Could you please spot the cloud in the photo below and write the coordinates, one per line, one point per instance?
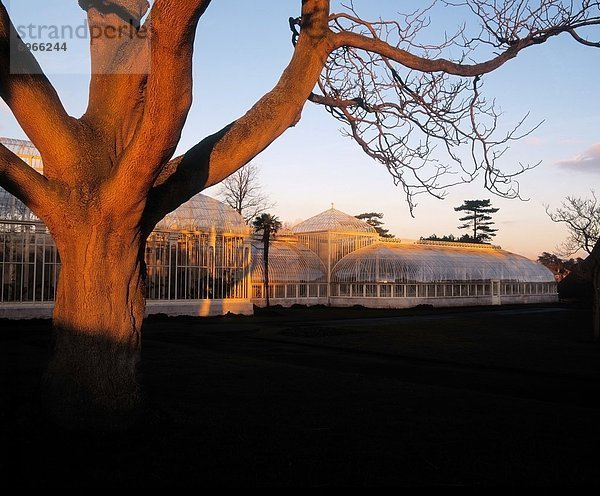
(588, 161)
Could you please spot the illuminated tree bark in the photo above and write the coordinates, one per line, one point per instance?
(109, 177)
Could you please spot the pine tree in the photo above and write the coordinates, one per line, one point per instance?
(374, 220)
(479, 219)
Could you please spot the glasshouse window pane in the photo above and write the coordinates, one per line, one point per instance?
(385, 291)
(371, 290)
(411, 290)
(399, 291)
(344, 289)
(291, 291)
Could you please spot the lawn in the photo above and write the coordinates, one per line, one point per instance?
(329, 397)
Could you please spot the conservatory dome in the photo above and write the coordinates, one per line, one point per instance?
(288, 262)
(333, 220)
(203, 213)
(429, 263)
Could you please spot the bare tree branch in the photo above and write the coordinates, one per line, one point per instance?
(31, 97)
(402, 101)
(582, 218)
(221, 154)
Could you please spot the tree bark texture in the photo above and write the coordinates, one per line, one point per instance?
(92, 375)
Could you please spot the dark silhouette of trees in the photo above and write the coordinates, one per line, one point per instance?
(479, 219)
(109, 175)
(560, 267)
(268, 225)
(243, 192)
(374, 220)
(445, 237)
(582, 218)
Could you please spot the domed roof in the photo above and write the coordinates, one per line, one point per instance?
(203, 213)
(14, 209)
(335, 221)
(401, 263)
(288, 262)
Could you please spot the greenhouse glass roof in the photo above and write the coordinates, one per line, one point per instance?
(333, 220)
(288, 262)
(423, 263)
(26, 151)
(204, 214)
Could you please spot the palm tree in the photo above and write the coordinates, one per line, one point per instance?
(267, 224)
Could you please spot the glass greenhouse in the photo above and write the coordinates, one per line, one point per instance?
(295, 273)
(197, 258)
(440, 273)
(203, 260)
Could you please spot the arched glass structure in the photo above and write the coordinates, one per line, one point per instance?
(201, 259)
(204, 214)
(334, 221)
(199, 251)
(438, 271)
(333, 234)
(295, 272)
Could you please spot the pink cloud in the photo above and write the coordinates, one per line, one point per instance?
(588, 161)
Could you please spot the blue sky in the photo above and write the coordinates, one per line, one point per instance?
(242, 47)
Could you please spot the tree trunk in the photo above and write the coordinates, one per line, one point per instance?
(91, 378)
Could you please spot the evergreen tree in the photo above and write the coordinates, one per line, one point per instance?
(374, 220)
(479, 219)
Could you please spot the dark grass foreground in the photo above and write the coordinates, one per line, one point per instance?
(329, 397)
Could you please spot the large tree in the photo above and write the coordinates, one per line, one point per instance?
(478, 219)
(109, 176)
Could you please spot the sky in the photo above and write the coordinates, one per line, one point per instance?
(242, 48)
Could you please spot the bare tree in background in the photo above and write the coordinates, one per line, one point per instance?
(582, 217)
(110, 176)
(243, 192)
